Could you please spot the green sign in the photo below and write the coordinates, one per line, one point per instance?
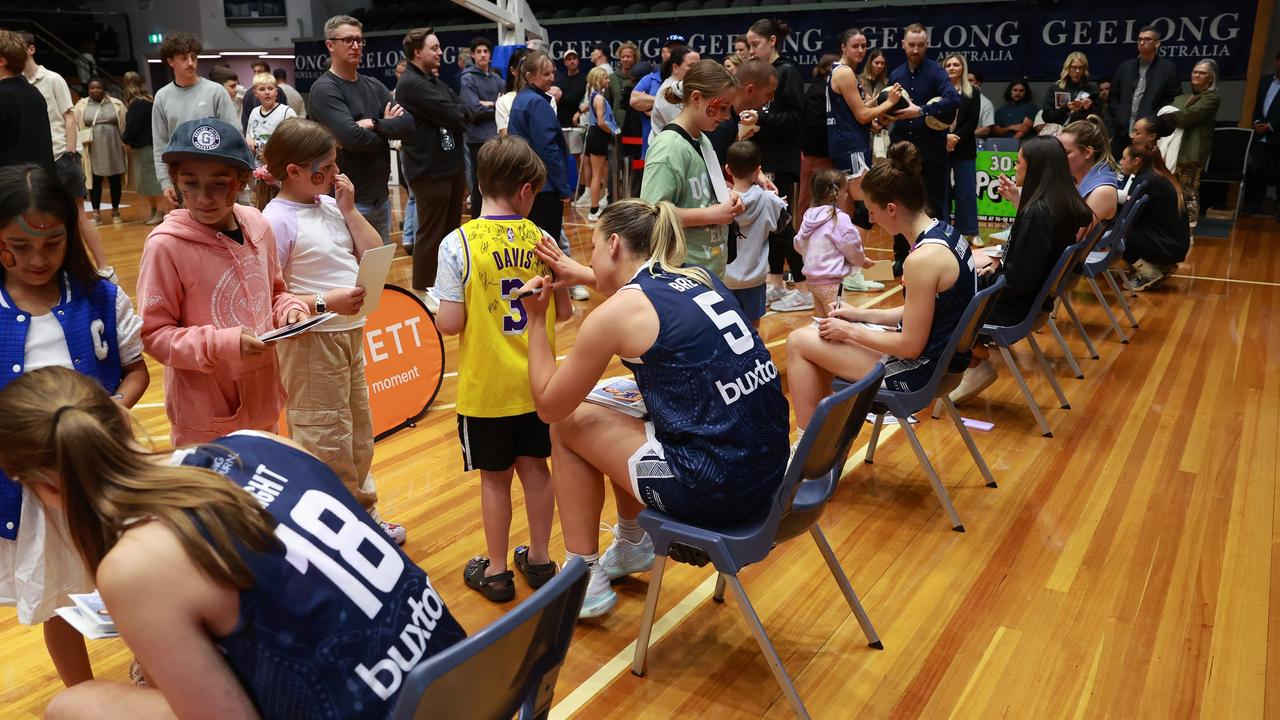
(991, 165)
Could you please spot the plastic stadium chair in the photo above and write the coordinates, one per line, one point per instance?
(663, 7)
(1063, 299)
(809, 482)
(1229, 160)
(507, 668)
(902, 405)
(715, 4)
(1100, 263)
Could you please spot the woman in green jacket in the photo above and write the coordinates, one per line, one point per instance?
(1196, 113)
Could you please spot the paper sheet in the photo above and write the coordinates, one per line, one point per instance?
(882, 271)
(375, 264)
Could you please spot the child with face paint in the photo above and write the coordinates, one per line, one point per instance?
(54, 311)
(319, 240)
(208, 286)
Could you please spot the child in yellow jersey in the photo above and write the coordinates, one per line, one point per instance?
(481, 266)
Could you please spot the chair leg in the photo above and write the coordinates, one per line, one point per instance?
(968, 440)
(1048, 372)
(875, 437)
(873, 640)
(1106, 307)
(1026, 392)
(1124, 280)
(1062, 343)
(646, 620)
(937, 409)
(1124, 302)
(938, 488)
(1084, 334)
(766, 647)
(718, 595)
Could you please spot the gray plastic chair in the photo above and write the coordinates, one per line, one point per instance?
(1100, 263)
(809, 482)
(902, 405)
(507, 668)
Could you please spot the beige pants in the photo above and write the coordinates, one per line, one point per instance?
(1189, 179)
(328, 405)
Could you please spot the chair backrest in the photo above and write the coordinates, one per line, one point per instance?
(510, 666)
(1230, 154)
(1115, 237)
(1110, 233)
(1053, 284)
(821, 454)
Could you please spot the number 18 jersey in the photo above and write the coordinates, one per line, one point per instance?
(493, 366)
(338, 615)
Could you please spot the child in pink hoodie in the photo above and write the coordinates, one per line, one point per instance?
(209, 284)
(828, 240)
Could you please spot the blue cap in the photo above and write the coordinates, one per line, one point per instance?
(209, 139)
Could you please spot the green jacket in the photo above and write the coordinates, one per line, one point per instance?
(676, 172)
(1196, 113)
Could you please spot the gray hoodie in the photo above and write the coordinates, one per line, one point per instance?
(759, 217)
(478, 85)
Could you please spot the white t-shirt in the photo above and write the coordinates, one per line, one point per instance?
(262, 126)
(57, 100)
(502, 110)
(986, 112)
(316, 250)
(46, 344)
(663, 111)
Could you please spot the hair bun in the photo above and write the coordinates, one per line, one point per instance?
(905, 158)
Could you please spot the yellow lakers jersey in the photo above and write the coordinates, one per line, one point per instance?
(493, 367)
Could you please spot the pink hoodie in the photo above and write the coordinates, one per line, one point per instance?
(196, 289)
(831, 246)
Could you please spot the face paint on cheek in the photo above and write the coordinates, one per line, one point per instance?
(6, 256)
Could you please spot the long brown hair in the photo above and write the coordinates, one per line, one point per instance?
(651, 230)
(1149, 158)
(295, 142)
(60, 420)
(135, 89)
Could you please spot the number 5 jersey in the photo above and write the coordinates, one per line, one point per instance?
(481, 264)
(712, 391)
(338, 615)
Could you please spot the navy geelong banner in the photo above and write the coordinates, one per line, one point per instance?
(381, 55)
(1002, 40)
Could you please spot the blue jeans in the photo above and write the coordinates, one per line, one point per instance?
(379, 216)
(410, 221)
(964, 192)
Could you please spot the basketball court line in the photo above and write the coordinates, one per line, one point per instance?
(621, 663)
(1264, 283)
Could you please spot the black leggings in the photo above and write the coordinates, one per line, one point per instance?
(95, 192)
(782, 248)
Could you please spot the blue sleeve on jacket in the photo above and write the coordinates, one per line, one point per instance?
(533, 119)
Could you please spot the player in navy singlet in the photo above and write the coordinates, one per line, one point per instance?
(938, 283)
(244, 576)
(714, 447)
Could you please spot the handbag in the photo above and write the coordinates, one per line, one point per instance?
(85, 134)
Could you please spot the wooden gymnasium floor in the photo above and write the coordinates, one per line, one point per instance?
(1123, 569)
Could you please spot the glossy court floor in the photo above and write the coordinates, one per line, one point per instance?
(1125, 568)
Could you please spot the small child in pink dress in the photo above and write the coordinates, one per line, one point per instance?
(828, 239)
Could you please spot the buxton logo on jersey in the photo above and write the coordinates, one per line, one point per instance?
(385, 676)
(206, 138)
(754, 379)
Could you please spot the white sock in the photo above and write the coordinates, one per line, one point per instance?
(599, 583)
(630, 530)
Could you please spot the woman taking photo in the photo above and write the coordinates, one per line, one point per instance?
(938, 282)
(681, 157)
(1196, 114)
(1073, 97)
(962, 148)
(207, 557)
(105, 117)
(1049, 218)
(715, 446)
(779, 138)
(534, 119)
(137, 139)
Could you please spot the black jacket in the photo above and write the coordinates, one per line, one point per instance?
(782, 122)
(436, 148)
(1160, 235)
(573, 89)
(1054, 114)
(137, 124)
(815, 119)
(1272, 118)
(1034, 246)
(966, 124)
(1162, 87)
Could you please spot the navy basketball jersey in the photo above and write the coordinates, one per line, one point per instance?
(848, 141)
(712, 390)
(949, 305)
(338, 615)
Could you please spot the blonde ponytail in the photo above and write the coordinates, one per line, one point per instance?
(653, 231)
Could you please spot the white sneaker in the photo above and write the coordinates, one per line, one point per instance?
(774, 294)
(578, 292)
(395, 532)
(976, 379)
(429, 299)
(600, 598)
(625, 558)
(793, 301)
(1001, 236)
(584, 200)
(856, 283)
(594, 215)
(976, 240)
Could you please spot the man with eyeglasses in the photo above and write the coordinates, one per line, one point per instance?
(361, 113)
(1141, 86)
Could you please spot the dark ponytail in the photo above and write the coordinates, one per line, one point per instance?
(897, 180)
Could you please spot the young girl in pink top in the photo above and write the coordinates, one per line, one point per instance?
(828, 240)
(209, 284)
